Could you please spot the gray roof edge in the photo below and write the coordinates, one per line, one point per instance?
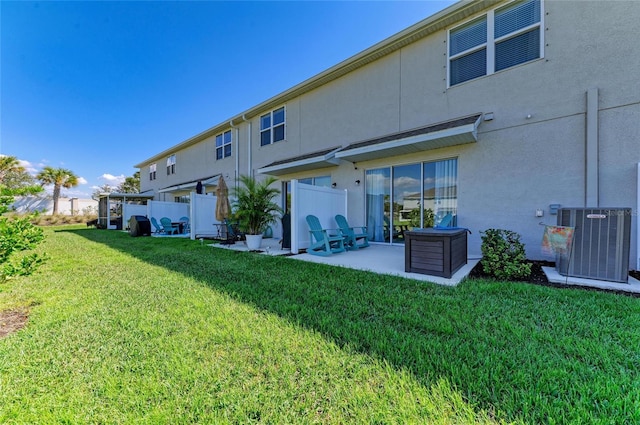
(421, 29)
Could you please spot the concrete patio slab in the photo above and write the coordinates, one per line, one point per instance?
(633, 286)
(376, 258)
(384, 259)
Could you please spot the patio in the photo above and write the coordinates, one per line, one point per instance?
(377, 258)
(385, 259)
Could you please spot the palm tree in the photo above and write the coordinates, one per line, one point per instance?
(130, 184)
(59, 178)
(8, 165)
(14, 177)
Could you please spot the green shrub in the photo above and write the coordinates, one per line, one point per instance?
(17, 235)
(503, 255)
(429, 218)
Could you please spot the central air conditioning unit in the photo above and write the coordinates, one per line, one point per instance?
(600, 243)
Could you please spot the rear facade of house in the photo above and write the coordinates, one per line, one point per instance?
(493, 112)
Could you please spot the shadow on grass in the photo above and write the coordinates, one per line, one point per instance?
(522, 351)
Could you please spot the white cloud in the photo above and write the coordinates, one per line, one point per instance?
(406, 182)
(82, 180)
(112, 180)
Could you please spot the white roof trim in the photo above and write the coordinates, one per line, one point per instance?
(467, 133)
(213, 181)
(312, 163)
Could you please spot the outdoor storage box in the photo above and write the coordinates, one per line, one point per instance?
(438, 252)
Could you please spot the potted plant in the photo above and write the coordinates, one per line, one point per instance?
(255, 208)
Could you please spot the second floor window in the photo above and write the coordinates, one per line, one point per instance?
(272, 127)
(223, 145)
(152, 172)
(171, 165)
(504, 37)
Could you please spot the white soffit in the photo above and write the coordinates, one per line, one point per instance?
(212, 181)
(302, 163)
(450, 133)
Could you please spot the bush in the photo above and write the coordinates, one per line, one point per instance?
(429, 218)
(17, 235)
(503, 255)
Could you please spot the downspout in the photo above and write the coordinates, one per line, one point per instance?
(249, 165)
(591, 150)
(237, 150)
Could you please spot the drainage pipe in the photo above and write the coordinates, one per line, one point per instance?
(591, 150)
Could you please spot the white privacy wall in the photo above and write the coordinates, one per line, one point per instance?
(129, 210)
(323, 202)
(172, 210)
(203, 215)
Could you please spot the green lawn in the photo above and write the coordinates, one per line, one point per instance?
(151, 330)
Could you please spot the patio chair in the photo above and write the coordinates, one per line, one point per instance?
(169, 228)
(445, 222)
(233, 234)
(186, 228)
(325, 244)
(156, 226)
(352, 234)
(392, 232)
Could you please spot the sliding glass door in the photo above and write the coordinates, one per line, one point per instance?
(406, 197)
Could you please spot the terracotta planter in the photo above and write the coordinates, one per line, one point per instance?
(254, 242)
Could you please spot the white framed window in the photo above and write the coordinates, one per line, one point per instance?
(223, 145)
(152, 172)
(324, 181)
(272, 127)
(171, 165)
(504, 37)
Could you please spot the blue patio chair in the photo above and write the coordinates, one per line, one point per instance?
(352, 234)
(169, 228)
(158, 228)
(186, 227)
(325, 244)
(447, 221)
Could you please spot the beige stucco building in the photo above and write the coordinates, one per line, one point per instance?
(499, 110)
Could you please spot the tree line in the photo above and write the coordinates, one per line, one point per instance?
(18, 236)
(15, 177)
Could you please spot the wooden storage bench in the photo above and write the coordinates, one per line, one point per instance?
(438, 252)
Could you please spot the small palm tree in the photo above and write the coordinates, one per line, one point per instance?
(59, 178)
(254, 205)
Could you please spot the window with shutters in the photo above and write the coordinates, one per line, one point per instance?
(507, 36)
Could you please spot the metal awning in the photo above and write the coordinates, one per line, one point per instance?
(208, 181)
(129, 196)
(449, 133)
(311, 161)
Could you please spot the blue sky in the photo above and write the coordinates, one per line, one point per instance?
(96, 87)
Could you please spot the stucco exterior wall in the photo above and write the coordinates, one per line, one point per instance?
(530, 155)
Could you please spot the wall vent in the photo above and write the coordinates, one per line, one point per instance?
(600, 245)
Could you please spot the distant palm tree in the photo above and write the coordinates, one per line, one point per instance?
(59, 178)
(15, 178)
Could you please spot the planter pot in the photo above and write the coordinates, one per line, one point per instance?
(254, 242)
